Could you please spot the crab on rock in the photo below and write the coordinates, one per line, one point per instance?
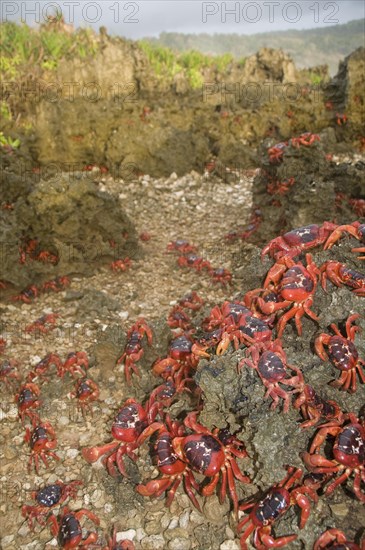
(296, 285)
(348, 452)
(343, 354)
(273, 505)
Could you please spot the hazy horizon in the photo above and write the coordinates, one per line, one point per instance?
(148, 18)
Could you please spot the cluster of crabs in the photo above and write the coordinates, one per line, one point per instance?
(187, 452)
(188, 258)
(206, 460)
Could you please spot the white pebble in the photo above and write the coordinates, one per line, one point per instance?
(72, 453)
(229, 545)
(126, 535)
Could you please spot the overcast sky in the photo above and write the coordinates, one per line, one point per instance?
(138, 18)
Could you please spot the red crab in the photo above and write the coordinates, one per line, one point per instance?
(133, 350)
(206, 341)
(121, 265)
(42, 439)
(74, 363)
(296, 285)
(313, 407)
(68, 529)
(222, 316)
(41, 368)
(348, 452)
(120, 545)
(191, 301)
(172, 467)
(276, 187)
(274, 504)
(47, 498)
(334, 539)
(247, 330)
(221, 275)
(341, 119)
(358, 205)
(194, 261)
(178, 318)
(272, 368)
(27, 295)
(343, 354)
(356, 229)
(340, 275)
(305, 139)
(212, 454)
(9, 373)
(298, 240)
(163, 396)
(128, 424)
(43, 324)
(276, 152)
(180, 361)
(47, 257)
(2, 345)
(181, 246)
(26, 399)
(86, 391)
(57, 285)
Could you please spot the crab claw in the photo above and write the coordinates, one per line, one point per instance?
(92, 454)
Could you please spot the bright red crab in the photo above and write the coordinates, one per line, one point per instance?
(222, 316)
(133, 350)
(272, 368)
(221, 275)
(47, 498)
(26, 399)
(296, 285)
(276, 152)
(305, 139)
(348, 451)
(41, 368)
(334, 539)
(43, 324)
(191, 301)
(27, 295)
(174, 470)
(273, 505)
(247, 330)
(356, 229)
(121, 265)
(76, 362)
(208, 340)
(57, 285)
(181, 360)
(212, 454)
(42, 439)
(340, 275)
(68, 530)
(86, 392)
(178, 318)
(164, 395)
(194, 261)
(343, 354)
(46, 256)
(182, 246)
(298, 240)
(128, 424)
(313, 407)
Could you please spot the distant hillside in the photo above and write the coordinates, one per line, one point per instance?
(318, 46)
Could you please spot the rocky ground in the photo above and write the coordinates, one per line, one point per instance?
(94, 314)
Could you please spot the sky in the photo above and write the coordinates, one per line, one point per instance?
(140, 18)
